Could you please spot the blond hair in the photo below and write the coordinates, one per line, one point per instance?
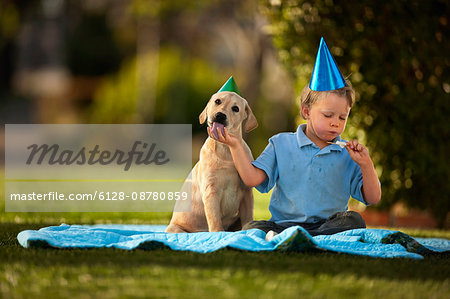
(309, 97)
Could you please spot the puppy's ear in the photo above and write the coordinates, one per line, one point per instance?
(203, 115)
(251, 122)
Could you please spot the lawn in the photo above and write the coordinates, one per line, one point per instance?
(110, 273)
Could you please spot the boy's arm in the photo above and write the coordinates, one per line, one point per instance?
(371, 188)
(251, 176)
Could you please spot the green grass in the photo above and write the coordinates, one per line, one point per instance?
(111, 273)
(228, 273)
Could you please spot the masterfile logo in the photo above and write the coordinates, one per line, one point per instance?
(59, 168)
(140, 153)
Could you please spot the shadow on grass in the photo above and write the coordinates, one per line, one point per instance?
(436, 267)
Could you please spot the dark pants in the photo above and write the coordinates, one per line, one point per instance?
(338, 222)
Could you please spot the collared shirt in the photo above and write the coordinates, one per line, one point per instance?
(309, 184)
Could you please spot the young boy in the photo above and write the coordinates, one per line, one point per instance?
(312, 179)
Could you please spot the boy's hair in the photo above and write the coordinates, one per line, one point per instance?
(308, 97)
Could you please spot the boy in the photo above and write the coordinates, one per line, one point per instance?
(312, 179)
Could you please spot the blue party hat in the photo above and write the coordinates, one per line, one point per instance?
(230, 85)
(326, 75)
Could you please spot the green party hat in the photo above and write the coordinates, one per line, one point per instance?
(230, 85)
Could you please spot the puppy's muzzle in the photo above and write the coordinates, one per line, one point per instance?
(220, 118)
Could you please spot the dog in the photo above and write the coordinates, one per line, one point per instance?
(220, 200)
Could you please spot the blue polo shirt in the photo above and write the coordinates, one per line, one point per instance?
(309, 184)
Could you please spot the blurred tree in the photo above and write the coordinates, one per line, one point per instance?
(183, 87)
(90, 47)
(9, 26)
(396, 54)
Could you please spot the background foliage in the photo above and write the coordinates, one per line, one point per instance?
(183, 87)
(396, 56)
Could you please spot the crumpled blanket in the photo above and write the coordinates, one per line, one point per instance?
(369, 242)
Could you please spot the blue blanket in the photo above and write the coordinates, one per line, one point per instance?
(368, 242)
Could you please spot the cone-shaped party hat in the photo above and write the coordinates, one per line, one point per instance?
(230, 85)
(326, 75)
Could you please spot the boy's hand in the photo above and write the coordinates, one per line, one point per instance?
(226, 138)
(358, 153)
(371, 188)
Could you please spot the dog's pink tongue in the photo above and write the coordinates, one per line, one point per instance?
(214, 129)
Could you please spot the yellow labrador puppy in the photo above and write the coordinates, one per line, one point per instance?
(220, 200)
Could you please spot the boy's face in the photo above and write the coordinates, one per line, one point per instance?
(326, 118)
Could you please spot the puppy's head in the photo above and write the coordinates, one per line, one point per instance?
(230, 110)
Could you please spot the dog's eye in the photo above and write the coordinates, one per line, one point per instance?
(235, 108)
(218, 102)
